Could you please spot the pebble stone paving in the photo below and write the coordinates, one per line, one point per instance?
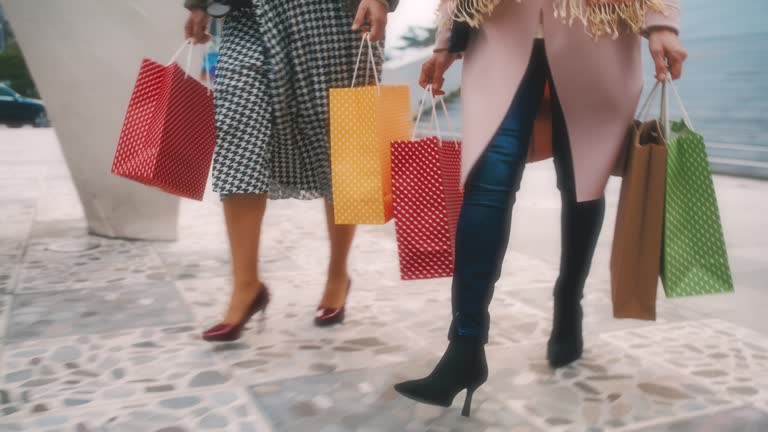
(103, 335)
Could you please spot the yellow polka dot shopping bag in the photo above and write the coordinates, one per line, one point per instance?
(694, 256)
(364, 121)
(426, 178)
(169, 133)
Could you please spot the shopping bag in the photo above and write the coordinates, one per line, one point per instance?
(426, 177)
(364, 121)
(636, 250)
(169, 134)
(540, 147)
(695, 259)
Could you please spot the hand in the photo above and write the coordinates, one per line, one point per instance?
(196, 27)
(373, 14)
(667, 52)
(433, 71)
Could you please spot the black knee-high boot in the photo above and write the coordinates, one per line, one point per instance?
(581, 225)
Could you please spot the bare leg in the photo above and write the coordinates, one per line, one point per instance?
(244, 214)
(341, 237)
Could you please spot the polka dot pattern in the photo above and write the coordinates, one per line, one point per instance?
(364, 121)
(168, 135)
(426, 177)
(695, 260)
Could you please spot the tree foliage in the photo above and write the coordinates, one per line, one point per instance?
(15, 73)
(418, 37)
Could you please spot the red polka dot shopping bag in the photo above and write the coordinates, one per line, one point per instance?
(364, 121)
(168, 134)
(426, 177)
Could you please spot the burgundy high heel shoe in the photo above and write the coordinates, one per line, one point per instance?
(231, 332)
(327, 317)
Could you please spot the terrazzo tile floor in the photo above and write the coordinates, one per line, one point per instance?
(103, 335)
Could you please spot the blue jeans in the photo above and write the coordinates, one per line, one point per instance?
(483, 229)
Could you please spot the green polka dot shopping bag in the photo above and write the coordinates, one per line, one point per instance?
(694, 256)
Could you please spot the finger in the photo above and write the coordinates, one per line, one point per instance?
(377, 31)
(425, 79)
(363, 30)
(437, 79)
(676, 67)
(440, 91)
(188, 30)
(198, 31)
(659, 60)
(362, 11)
(679, 60)
(426, 75)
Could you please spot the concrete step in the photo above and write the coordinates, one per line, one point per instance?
(739, 167)
(738, 152)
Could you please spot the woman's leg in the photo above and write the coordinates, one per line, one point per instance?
(481, 242)
(581, 225)
(341, 237)
(244, 214)
(482, 233)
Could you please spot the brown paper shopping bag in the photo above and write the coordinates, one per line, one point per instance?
(636, 255)
(540, 147)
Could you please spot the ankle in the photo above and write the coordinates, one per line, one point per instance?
(337, 276)
(468, 341)
(246, 289)
(247, 282)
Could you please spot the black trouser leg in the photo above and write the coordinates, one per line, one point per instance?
(482, 234)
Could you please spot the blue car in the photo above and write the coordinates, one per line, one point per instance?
(17, 110)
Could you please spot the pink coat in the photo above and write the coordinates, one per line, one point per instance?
(598, 82)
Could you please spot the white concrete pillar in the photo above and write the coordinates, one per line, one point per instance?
(84, 56)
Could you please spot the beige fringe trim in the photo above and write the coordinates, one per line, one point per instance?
(471, 11)
(600, 17)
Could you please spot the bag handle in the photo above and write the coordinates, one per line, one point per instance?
(371, 59)
(686, 116)
(190, 47)
(663, 120)
(368, 65)
(645, 107)
(664, 115)
(434, 117)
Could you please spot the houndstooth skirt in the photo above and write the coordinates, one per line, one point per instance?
(277, 62)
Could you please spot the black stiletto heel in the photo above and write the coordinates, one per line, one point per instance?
(462, 367)
(468, 402)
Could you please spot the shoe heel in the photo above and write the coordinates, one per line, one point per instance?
(262, 323)
(467, 403)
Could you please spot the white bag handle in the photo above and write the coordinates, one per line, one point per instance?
(371, 58)
(190, 48)
(434, 117)
(664, 115)
(186, 45)
(686, 117)
(645, 108)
